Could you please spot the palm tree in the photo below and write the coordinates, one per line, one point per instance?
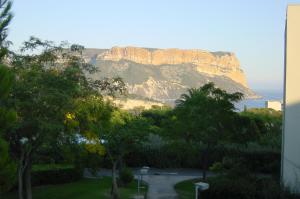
(187, 96)
(203, 114)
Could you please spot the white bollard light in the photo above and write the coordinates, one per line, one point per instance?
(200, 186)
(143, 171)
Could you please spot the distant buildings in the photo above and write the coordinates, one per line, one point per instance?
(276, 105)
(290, 167)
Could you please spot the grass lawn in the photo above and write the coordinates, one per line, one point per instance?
(45, 167)
(186, 189)
(83, 189)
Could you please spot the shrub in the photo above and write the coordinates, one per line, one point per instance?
(263, 161)
(171, 155)
(228, 188)
(8, 168)
(217, 167)
(125, 176)
(246, 187)
(55, 175)
(257, 160)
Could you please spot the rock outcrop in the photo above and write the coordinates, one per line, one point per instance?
(213, 63)
(164, 74)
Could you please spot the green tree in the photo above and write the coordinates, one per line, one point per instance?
(7, 118)
(158, 115)
(268, 126)
(91, 116)
(6, 76)
(7, 168)
(125, 131)
(108, 130)
(5, 18)
(7, 114)
(206, 115)
(47, 83)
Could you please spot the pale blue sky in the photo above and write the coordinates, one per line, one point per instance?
(253, 29)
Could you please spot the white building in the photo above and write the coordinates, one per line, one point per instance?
(290, 168)
(276, 105)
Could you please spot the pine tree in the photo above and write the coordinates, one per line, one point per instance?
(5, 19)
(7, 116)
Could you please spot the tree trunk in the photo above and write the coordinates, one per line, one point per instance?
(204, 171)
(205, 162)
(20, 182)
(24, 176)
(27, 180)
(121, 164)
(115, 193)
(21, 175)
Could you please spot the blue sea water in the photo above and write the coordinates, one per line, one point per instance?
(260, 103)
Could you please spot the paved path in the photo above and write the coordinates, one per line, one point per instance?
(160, 182)
(162, 186)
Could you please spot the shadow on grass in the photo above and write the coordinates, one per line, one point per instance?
(83, 189)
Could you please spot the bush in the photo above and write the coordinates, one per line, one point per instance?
(8, 168)
(55, 175)
(228, 188)
(217, 167)
(236, 187)
(175, 154)
(125, 177)
(246, 187)
(255, 159)
(263, 161)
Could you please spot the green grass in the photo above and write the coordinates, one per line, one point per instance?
(186, 189)
(83, 189)
(45, 167)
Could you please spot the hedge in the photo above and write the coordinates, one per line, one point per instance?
(179, 155)
(231, 186)
(187, 156)
(55, 176)
(263, 161)
(228, 187)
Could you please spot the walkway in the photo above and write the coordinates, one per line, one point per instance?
(161, 182)
(162, 187)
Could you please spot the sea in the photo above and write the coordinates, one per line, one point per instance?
(266, 95)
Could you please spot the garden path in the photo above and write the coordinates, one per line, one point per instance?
(160, 182)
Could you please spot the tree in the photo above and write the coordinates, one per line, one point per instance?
(108, 130)
(47, 82)
(5, 18)
(92, 114)
(6, 76)
(125, 131)
(7, 114)
(7, 168)
(267, 123)
(158, 115)
(206, 115)
(7, 118)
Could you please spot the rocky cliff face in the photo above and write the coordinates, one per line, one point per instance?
(213, 63)
(164, 74)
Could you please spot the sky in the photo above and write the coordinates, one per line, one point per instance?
(252, 29)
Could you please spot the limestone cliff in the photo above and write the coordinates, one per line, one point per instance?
(164, 74)
(213, 63)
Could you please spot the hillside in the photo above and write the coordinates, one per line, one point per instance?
(164, 74)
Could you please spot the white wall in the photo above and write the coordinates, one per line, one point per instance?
(276, 105)
(291, 132)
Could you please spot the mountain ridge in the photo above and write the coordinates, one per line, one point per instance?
(164, 74)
